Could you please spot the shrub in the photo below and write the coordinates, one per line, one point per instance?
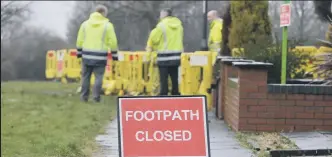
(323, 64)
(272, 53)
(250, 23)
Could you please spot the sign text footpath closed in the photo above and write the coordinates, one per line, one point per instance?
(163, 126)
(285, 15)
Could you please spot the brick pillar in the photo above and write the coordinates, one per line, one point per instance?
(227, 71)
(252, 77)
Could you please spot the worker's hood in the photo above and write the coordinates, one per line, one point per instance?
(172, 22)
(215, 21)
(97, 19)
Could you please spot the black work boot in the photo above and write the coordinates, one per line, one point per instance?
(96, 100)
(84, 99)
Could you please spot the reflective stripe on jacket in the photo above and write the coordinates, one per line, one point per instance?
(215, 35)
(95, 37)
(168, 40)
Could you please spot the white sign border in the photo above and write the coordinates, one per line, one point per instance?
(290, 14)
(206, 125)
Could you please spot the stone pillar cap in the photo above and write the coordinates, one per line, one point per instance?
(254, 65)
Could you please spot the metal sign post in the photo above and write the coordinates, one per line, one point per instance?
(285, 16)
(205, 23)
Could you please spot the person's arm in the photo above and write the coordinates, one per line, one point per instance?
(216, 38)
(149, 44)
(80, 40)
(156, 36)
(182, 36)
(112, 41)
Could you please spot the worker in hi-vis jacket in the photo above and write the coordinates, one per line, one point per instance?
(215, 33)
(167, 40)
(95, 38)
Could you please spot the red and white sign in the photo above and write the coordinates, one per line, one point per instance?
(60, 60)
(163, 127)
(285, 15)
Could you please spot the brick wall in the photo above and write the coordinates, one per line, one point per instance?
(231, 107)
(249, 105)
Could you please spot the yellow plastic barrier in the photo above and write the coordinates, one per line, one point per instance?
(73, 67)
(108, 80)
(137, 64)
(307, 69)
(50, 69)
(61, 64)
(324, 49)
(121, 69)
(137, 73)
(152, 85)
(306, 49)
(196, 74)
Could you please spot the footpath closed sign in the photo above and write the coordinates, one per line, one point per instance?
(163, 126)
(285, 15)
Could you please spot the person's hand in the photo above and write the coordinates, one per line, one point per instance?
(148, 49)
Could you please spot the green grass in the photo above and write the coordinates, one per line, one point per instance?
(46, 119)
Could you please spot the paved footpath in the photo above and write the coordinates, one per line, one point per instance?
(311, 140)
(222, 141)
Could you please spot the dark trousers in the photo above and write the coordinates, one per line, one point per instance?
(164, 71)
(87, 71)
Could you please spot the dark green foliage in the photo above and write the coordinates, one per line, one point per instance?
(250, 23)
(227, 20)
(269, 52)
(324, 65)
(251, 30)
(323, 10)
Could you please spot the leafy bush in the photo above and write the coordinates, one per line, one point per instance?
(323, 63)
(324, 66)
(272, 53)
(251, 31)
(250, 23)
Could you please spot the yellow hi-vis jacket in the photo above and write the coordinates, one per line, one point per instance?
(215, 35)
(167, 39)
(95, 37)
(149, 45)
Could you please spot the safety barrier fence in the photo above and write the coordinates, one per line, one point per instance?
(136, 73)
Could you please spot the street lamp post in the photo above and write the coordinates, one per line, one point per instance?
(204, 45)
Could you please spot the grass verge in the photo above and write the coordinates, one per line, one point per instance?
(44, 119)
(261, 143)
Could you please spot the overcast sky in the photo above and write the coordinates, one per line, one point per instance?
(52, 15)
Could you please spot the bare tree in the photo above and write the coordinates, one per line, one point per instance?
(323, 10)
(133, 20)
(23, 49)
(13, 13)
(305, 26)
(27, 61)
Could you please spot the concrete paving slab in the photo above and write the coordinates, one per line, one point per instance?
(311, 140)
(222, 141)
